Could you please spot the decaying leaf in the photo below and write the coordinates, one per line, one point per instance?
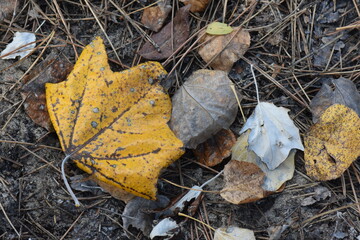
(114, 124)
(203, 106)
(222, 51)
(338, 91)
(216, 148)
(53, 69)
(274, 179)
(243, 182)
(166, 228)
(154, 17)
(234, 233)
(170, 38)
(333, 143)
(137, 213)
(21, 46)
(7, 8)
(196, 5)
(218, 28)
(273, 134)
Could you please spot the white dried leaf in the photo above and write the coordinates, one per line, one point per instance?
(190, 195)
(165, 228)
(20, 39)
(273, 134)
(234, 233)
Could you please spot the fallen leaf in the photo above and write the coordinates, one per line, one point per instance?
(7, 8)
(274, 179)
(196, 5)
(114, 191)
(333, 143)
(193, 193)
(136, 213)
(89, 183)
(243, 182)
(114, 125)
(170, 38)
(222, 51)
(167, 228)
(154, 17)
(234, 233)
(337, 91)
(216, 148)
(53, 69)
(218, 28)
(203, 105)
(320, 193)
(273, 134)
(17, 46)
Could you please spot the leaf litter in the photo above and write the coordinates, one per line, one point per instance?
(114, 125)
(170, 38)
(202, 106)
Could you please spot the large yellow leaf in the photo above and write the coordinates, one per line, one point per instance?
(333, 143)
(114, 124)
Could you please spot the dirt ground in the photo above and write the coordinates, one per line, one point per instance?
(300, 43)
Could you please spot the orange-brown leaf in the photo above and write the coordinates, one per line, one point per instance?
(114, 124)
(216, 148)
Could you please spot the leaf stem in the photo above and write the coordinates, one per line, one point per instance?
(77, 203)
(211, 179)
(256, 86)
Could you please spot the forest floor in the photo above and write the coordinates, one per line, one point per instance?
(301, 44)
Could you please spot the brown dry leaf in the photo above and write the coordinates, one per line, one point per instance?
(154, 17)
(227, 48)
(203, 105)
(196, 5)
(167, 40)
(243, 182)
(216, 148)
(333, 143)
(274, 179)
(53, 69)
(114, 124)
(337, 91)
(7, 8)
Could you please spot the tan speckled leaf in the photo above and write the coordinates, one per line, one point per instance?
(333, 143)
(243, 182)
(114, 124)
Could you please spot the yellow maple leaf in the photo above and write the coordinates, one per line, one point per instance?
(114, 124)
(333, 143)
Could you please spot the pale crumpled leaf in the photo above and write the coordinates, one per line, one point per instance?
(273, 134)
(234, 233)
(193, 193)
(274, 179)
(203, 106)
(165, 228)
(20, 39)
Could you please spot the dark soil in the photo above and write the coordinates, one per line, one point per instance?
(298, 36)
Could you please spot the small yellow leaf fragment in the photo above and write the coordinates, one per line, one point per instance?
(114, 124)
(217, 28)
(333, 143)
